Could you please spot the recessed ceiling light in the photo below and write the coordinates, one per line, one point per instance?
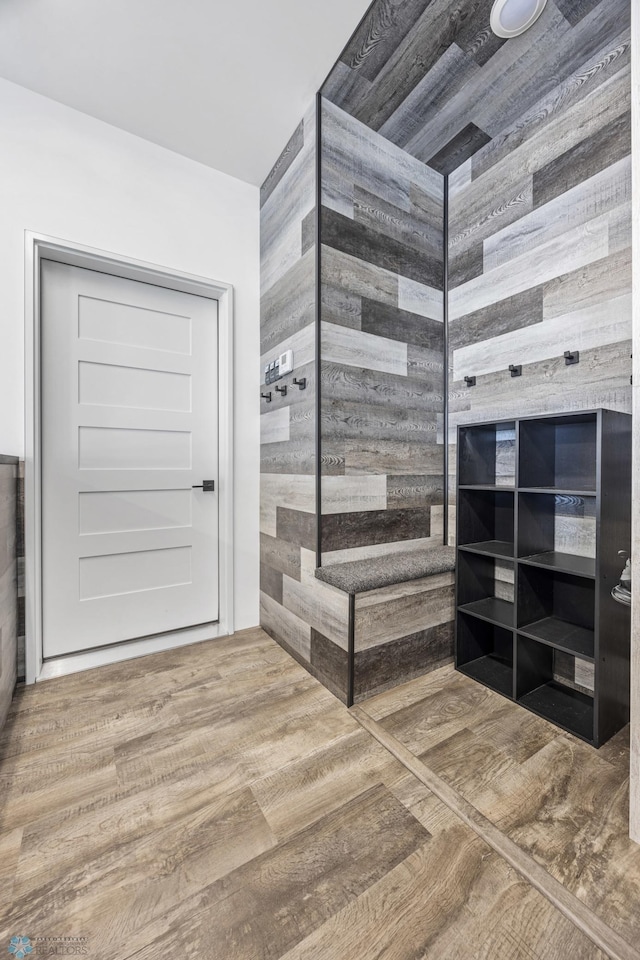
(510, 18)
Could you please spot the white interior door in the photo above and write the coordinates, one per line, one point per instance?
(129, 431)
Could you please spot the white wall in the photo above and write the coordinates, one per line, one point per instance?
(69, 176)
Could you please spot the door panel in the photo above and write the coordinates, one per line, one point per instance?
(129, 427)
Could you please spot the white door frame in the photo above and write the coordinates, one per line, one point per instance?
(37, 248)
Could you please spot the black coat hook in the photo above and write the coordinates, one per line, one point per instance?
(470, 381)
(266, 396)
(302, 383)
(516, 371)
(282, 390)
(571, 356)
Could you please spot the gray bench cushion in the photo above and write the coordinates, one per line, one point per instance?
(360, 575)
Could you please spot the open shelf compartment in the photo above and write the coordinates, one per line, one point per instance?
(559, 452)
(485, 521)
(485, 588)
(542, 685)
(557, 609)
(487, 455)
(485, 653)
(558, 531)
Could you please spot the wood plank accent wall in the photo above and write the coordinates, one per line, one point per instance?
(307, 617)
(534, 135)
(382, 389)
(540, 226)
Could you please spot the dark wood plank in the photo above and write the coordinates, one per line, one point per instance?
(433, 34)
(576, 10)
(330, 662)
(271, 582)
(589, 157)
(389, 664)
(385, 25)
(460, 148)
(359, 240)
(466, 266)
(344, 530)
(356, 421)
(297, 527)
(515, 312)
(395, 324)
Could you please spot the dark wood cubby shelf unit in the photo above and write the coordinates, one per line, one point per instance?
(531, 491)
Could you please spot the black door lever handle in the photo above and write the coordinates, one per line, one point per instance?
(207, 485)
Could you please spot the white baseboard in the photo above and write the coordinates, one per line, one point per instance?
(87, 660)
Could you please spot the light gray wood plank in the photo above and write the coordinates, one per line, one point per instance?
(412, 607)
(378, 164)
(294, 491)
(345, 382)
(592, 198)
(508, 178)
(289, 305)
(359, 278)
(303, 344)
(392, 456)
(378, 550)
(353, 494)
(322, 606)
(355, 348)
(420, 298)
(283, 624)
(274, 425)
(596, 283)
(282, 214)
(562, 254)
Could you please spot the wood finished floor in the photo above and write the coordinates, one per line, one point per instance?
(217, 802)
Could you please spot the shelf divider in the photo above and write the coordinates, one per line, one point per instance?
(493, 609)
(563, 636)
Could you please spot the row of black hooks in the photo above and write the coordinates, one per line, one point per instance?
(301, 384)
(570, 357)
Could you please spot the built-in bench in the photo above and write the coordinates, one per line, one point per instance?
(401, 616)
